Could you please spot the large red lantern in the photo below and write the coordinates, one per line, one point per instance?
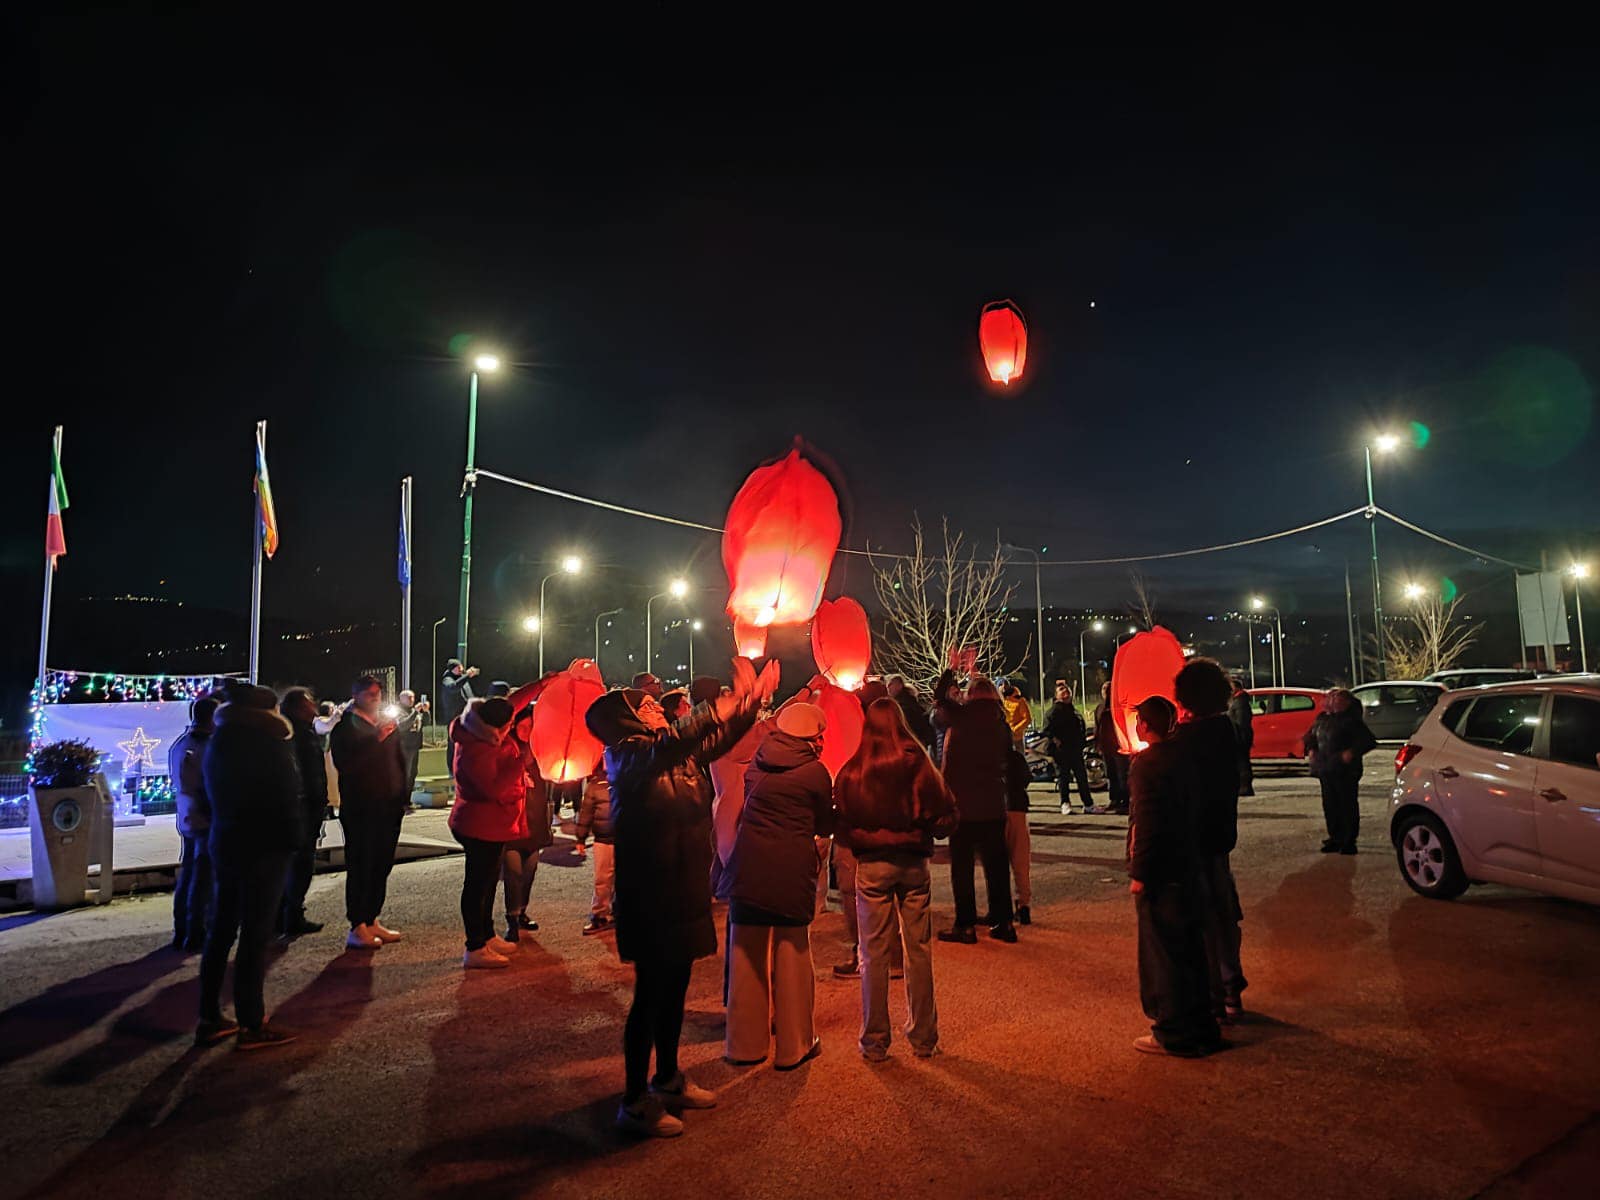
(749, 641)
(1146, 665)
(841, 642)
(562, 745)
(1003, 338)
(779, 541)
(842, 738)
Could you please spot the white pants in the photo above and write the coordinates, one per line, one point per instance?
(772, 986)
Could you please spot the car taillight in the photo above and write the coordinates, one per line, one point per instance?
(1407, 752)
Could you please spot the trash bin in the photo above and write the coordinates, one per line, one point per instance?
(71, 828)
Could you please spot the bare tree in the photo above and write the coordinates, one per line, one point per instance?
(1429, 638)
(938, 603)
(1144, 600)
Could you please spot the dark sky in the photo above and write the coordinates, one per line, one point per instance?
(1235, 263)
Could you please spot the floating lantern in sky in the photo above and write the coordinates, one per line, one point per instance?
(1003, 338)
(841, 642)
(779, 541)
(562, 745)
(749, 641)
(842, 738)
(1146, 665)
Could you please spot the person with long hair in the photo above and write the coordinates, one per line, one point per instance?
(892, 802)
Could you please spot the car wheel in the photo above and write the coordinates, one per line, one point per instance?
(1428, 859)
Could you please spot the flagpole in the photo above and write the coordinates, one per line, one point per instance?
(255, 570)
(49, 574)
(405, 603)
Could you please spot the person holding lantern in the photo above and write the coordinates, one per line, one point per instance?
(661, 826)
(977, 741)
(519, 856)
(1105, 741)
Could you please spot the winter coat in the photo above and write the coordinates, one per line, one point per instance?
(594, 811)
(1018, 776)
(536, 794)
(788, 804)
(1105, 733)
(1211, 757)
(1243, 719)
(372, 768)
(490, 801)
(454, 693)
(1163, 843)
(1064, 727)
(976, 742)
(916, 717)
(184, 759)
(311, 757)
(661, 826)
(1330, 736)
(894, 812)
(252, 784)
(1019, 717)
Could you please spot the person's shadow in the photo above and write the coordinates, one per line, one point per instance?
(68, 1008)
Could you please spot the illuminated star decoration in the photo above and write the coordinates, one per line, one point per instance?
(137, 750)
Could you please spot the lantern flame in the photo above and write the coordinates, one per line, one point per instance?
(1003, 338)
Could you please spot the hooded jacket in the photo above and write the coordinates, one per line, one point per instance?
(311, 757)
(661, 825)
(184, 764)
(1332, 734)
(490, 782)
(252, 784)
(894, 812)
(1210, 753)
(372, 768)
(1019, 717)
(788, 804)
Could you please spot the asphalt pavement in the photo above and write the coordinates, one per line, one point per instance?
(1394, 1046)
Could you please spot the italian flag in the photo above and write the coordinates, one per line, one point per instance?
(269, 513)
(55, 536)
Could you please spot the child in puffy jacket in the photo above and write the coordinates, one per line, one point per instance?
(594, 816)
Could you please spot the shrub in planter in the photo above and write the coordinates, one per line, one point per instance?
(65, 764)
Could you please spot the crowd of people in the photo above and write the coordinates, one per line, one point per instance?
(711, 794)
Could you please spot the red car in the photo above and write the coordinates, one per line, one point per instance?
(1282, 718)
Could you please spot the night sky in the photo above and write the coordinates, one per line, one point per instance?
(1236, 264)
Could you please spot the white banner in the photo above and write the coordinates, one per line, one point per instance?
(133, 737)
(1542, 608)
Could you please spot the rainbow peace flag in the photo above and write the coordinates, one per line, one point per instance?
(269, 514)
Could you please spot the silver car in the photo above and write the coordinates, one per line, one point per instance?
(1393, 708)
(1501, 784)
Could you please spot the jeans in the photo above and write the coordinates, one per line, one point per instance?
(1341, 808)
(844, 868)
(370, 839)
(477, 889)
(605, 878)
(1172, 966)
(248, 889)
(1070, 770)
(1220, 927)
(892, 906)
(655, 1019)
(301, 867)
(192, 892)
(1019, 846)
(772, 993)
(987, 841)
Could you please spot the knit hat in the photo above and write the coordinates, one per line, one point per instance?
(802, 720)
(496, 711)
(249, 695)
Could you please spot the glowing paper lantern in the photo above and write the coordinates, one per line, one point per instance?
(780, 537)
(842, 738)
(841, 642)
(1145, 666)
(749, 641)
(1003, 338)
(562, 745)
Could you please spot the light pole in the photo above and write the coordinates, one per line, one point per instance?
(487, 363)
(570, 565)
(1579, 572)
(1250, 643)
(1038, 607)
(1384, 443)
(610, 612)
(1083, 673)
(435, 651)
(695, 627)
(1260, 605)
(677, 589)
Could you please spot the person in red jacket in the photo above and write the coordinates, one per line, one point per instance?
(488, 812)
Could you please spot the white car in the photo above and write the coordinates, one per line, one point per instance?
(1501, 784)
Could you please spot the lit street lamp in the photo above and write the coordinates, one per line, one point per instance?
(435, 658)
(695, 627)
(1579, 572)
(610, 612)
(1384, 443)
(677, 589)
(1083, 674)
(570, 565)
(1038, 607)
(1281, 674)
(1132, 629)
(488, 364)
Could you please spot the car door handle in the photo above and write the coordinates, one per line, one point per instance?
(1553, 794)
(1448, 773)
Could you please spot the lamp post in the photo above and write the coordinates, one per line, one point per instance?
(570, 565)
(1384, 443)
(1083, 674)
(677, 589)
(610, 612)
(695, 627)
(1579, 572)
(486, 363)
(1260, 605)
(435, 652)
(1038, 608)
(1250, 643)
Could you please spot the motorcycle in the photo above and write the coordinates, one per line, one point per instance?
(1042, 765)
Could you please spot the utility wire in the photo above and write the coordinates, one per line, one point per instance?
(1444, 541)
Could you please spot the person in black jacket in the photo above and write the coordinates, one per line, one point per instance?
(661, 822)
(977, 742)
(904, 695)
(1164, 864)
(408, 728)
(1211, 756)
(256, 826)
(455, 692)
(191, 887)
(372, 801)
(1335, 746)
(1105, 741)
(775, 865)
(1065, 735)
(1243, 718)
(300, 709)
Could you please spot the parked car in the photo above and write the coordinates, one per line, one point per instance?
(1393, 708)
(1502, 785)
(1465, 677)
(1282, 718)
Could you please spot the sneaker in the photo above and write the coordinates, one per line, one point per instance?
(264, 1038)
(1066, 810)
(816, 1049)
(1024, 915)
(596, 925)
(483, 958)
(875, 1055)
(383, 933)
(502, 947)
(929, 1052)
(1004, 933)
(678, 1092)
(847, 970)
(647, 1117)
(1347, 849)
(1148, 1045)
(300, 926)
(526, 923)
(1329, 846)
(209, 1033)
(513, 930)
(362, 938)
(964, 934)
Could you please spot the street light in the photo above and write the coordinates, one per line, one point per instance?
(677, 589)
(435, 652)
(1250, 644)
(530, 624)
(1083, 674)
(1132, 629)
(1384, 443)
(1415, 591)
(695, 627)
(488, 364)
(570, 565)
(1579, 572)
(610, 612)
(1038, 608)
(1260, 605)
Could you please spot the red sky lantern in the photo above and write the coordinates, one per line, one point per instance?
(841, 642)
(780, 537)
(842, 738)
(1145, 666)
(562, 745)
(1003, 337)
(749, 641)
